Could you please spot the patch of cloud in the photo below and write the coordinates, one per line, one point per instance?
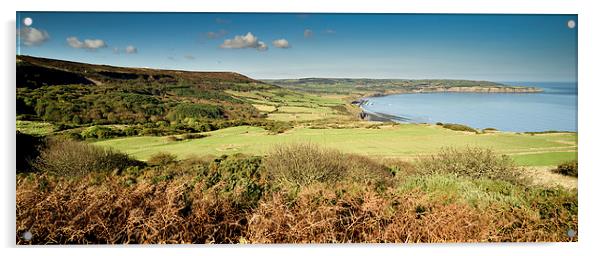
(30, 36)
(329, 31)
(131, 49)
(90, 44)
(281, 43)
(189, 57)
(261, 46)
(307, 33)
(244, 41)
(217, 34)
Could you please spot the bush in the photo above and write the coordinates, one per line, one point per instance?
(72, 159)
(190, 136)
(568, 168)
(28, 149)
(187, 110)
(304, 164)
(100, 132)
(172, 138)
(459, 127)
(238, 177)
(471, 162)
(162, 158)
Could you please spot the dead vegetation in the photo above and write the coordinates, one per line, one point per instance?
(238, 199)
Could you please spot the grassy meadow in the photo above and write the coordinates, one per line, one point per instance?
(402, 141)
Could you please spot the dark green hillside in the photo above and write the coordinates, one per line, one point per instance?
(32, 76)
(369, 87)
(75, 94)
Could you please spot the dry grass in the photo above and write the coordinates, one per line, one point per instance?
(235, 200)
(544, 176)
(321, 215)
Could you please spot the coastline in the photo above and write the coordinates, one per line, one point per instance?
(372, 116)
(382, 117)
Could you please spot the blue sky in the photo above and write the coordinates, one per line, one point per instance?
(483, 47)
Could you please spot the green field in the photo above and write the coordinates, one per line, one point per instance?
(545, 159)
(285, 105)
(34, 127)
(405, 141)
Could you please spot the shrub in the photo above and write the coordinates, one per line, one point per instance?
(238, 177)
(190, 136)
(172, 138)
(100, 132)
(459, 127)
(28, 149)
(304, 164)
(162, 158)
(187, 110)
(72, 159)
(471, 162)
(568, 168)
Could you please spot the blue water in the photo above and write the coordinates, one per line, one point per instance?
(553, 109)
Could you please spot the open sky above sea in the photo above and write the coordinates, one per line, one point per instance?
(294, 45)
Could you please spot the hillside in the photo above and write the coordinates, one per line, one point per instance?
(30, 68)
(375, 87)
(72, 93)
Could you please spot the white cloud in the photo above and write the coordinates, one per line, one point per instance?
(32, 36)
(131, 49)
(217, 34)
(308, 33)
(261, 46)
(329, 31)
(90, 44)
(246, 41)
(189, 57)
(281, 43)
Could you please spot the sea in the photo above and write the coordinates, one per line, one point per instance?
(554, 109)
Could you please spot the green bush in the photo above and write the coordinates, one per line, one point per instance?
(187, 110)
(162, 158)
(459, 127)
(73, 159)
(191, 136)
(100, 132)
(471, 162)
(568, 168)
(304, 164)
(28, 149)
(239, 178)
